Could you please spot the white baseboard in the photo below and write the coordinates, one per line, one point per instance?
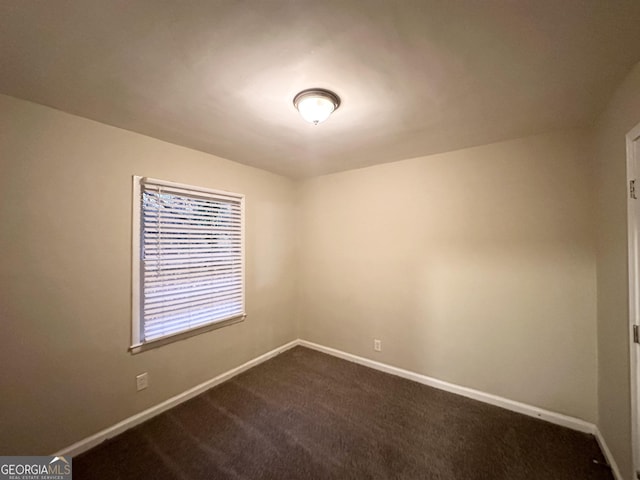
(549, 416)
(90, 442)
(608, 455)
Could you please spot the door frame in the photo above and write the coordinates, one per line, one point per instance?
(633, 230)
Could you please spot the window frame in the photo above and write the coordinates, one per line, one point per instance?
(138, 344)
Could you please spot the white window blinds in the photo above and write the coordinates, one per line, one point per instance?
(191, 258)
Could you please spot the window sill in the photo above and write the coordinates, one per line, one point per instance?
(158, 342)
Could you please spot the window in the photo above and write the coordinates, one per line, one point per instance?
(188, 260)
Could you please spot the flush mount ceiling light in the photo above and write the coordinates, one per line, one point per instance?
(315, 104)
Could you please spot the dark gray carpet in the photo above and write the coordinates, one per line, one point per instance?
(306, 415)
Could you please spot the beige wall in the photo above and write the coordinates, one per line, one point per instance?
(475, 267)
(621, 115)
(65, 236)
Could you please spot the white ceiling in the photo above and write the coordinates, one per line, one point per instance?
(415, 77)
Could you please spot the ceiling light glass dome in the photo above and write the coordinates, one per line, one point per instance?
(316, 105)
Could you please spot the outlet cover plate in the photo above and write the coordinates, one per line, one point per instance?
(142, 381)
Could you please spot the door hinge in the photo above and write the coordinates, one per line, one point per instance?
(636, 334)
(632, 189)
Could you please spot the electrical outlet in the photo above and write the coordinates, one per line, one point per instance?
(142, 381)
(377, 345)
